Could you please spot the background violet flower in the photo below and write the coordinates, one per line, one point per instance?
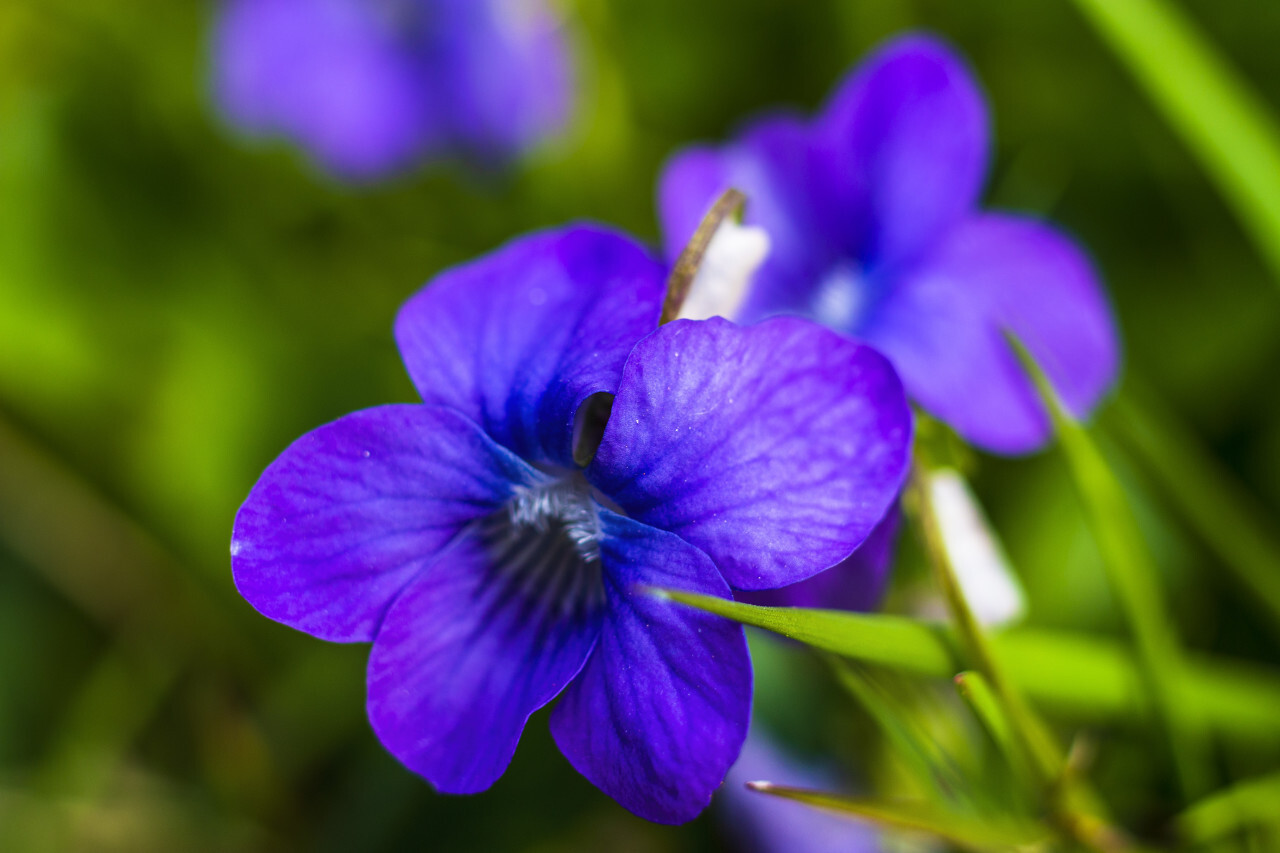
(369, 87)
(856, 583)
(760, 823)
(871, 213)
(492, 573)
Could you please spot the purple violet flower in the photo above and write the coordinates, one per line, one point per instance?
(371, 87)
(491, 572)
(871, 209)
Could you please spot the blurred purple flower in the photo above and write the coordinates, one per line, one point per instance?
(871, 209)
(491, 572)
(760, 823)
(370, 87)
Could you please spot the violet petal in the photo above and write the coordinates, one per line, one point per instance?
(775, 448)
(352, 511)
(474, 646)
(502, 70)
(520, 338)
(856, 583)
(661, 709)
(942, 327)
(911, 124)
(330, 75)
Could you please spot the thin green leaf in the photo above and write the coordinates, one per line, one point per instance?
(972, 833)
(919, 752)
(1226, 518)
(1075, 806)
(977, 694)
(1072, 674)
(1245, 804)
(896, 642)
(1226, 125)
(1132, 574)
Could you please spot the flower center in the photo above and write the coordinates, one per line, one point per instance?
(545, 542)
(564, 503)
(842, 298)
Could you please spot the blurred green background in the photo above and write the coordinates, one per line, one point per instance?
(176, 307)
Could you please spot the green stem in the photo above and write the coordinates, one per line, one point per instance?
(1032, 735)
(996, 699)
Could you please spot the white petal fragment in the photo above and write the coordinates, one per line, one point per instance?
(732, 258)
(982, 569)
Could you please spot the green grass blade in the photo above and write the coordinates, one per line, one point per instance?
(1072, 674)
(919, 753)
(1226, 518)
(969, 832)
(1226, 125)
(895, 642)
(1075, 806)
(1133, 577)
(977, 694)
(1250, 803)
